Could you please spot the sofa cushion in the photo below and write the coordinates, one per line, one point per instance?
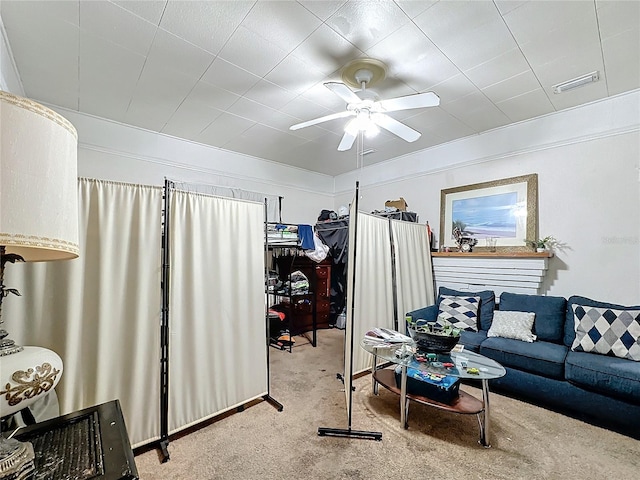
(485, 309)
(550, 313)
(472, 340)
(607, 331)
(569, 324)
(540, 358)
(516, 325)
(461, 312)
(609, 375)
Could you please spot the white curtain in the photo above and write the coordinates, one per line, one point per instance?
(414, 275)
(217, 345)
(373, 287)
(273, 201)
(101, 311)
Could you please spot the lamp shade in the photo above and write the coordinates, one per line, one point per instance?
(38, 181)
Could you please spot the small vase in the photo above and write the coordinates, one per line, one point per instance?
(541, 250)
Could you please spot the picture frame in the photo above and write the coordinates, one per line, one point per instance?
(501, 212)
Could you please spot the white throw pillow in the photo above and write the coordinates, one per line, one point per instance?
(516, 325)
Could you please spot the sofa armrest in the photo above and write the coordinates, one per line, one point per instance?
(429, 313)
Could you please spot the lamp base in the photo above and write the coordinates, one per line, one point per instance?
(16, 459)
(7, 346)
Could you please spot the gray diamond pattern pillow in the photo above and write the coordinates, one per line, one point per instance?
(515, 325)
(607, 331)
(462, 312)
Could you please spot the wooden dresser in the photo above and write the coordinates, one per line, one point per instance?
(302, 308)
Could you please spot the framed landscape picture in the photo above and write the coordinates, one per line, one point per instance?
(504, 210)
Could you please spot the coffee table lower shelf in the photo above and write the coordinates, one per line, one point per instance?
(465, 403)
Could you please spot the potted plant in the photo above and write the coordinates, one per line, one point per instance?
(542, 244)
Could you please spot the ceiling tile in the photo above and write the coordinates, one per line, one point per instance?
(108, 76)
(116, 25)
(224, 128)
(171, 52)
(229, 77)
(478, 44)
(534, 20)
(365, 23)
(150, 10)
(414, 8)
(285, 24)
(25, 13)
(469, 103)
(453, 88)
(615, 17)
(507, 65)
(160, 90)
(490, 62)
(512, 87)
(242, 50)
(622, 61)
(250, 109)
(323, 9)
(208, 25)
(281, 121)
(445, 20)
(303, 109)
(486, 118)
(269, 94)
(527, 105)
(419, 63)
(505, 6)
(295, 75)
(326, 51)
(212, 96)
(324, 97)
(152, 115)
(190, 120)
(438, 122)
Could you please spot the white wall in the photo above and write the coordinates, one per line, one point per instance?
(113, 151)
(588, 185)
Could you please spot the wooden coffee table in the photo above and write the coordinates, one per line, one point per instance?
(464, 362)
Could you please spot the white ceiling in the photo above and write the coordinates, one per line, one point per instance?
(237, 74)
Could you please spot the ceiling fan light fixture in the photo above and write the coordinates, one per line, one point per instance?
(576, 82)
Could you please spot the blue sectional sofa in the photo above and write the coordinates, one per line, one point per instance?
(600, 389)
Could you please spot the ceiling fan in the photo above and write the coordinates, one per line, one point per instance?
(369, 111)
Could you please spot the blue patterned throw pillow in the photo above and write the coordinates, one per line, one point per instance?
(462, 312)
(607, 331)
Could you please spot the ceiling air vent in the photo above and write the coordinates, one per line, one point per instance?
(576, 82)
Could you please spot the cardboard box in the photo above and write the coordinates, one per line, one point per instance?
(399, 204)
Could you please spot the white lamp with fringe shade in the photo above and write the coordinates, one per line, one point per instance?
(38, 222)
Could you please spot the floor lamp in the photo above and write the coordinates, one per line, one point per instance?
(38, 222)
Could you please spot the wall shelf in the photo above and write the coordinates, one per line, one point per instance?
(482, 254)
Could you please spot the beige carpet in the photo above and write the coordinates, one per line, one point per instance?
(261, 443)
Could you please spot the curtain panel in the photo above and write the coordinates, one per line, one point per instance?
(217, 346)
(101, 312)
(414, 274)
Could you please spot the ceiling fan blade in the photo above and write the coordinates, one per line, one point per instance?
(347, 142)
(418, 100)
(395, 127)
(326, 118)
(343, 92)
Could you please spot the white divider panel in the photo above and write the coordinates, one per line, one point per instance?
(414, 278)
(373, 284)
(516, 275)
(101, 311)
(217, 345)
